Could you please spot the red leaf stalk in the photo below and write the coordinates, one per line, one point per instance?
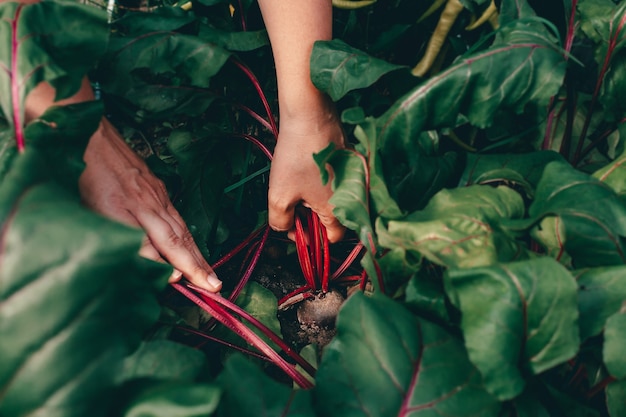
(15, 84)
(599, 81)
(218, 307)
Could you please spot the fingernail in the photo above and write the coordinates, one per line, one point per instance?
(214, 281)
(176, 276)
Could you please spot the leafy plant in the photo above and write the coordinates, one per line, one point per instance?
(488, 195)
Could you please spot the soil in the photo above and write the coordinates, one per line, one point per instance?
(307, 322)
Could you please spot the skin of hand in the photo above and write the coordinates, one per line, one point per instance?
(117, 184)
(308, 122)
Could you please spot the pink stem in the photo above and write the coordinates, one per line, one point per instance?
(238, 248)
(255, 141)
(303, 256)
(15, 85)
(596, 91)
(246, 276)
(259, 90)
(206, 295)
(256, 116)
(217, 308)
(356, 251)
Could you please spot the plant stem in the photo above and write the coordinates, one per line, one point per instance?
(259, 90)
(218, 307)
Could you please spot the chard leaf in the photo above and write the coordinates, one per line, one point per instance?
(386, 362)
(616, 398)
(382, 203)
(337, 68)
(169, 399)
(593, 216)
(351, 195)
(522, 69)
(248, 392)
(57, 42)
(514, 319)
(262, 304)
(459, 227)
(600, 295)
(523, 170)
(159, 70)
(164, 359)
(614, 175)
(75, 297)
(614, 339)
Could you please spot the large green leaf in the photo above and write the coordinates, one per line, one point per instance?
(337, 68)
(386, 362)
(75, 297)
(523, 170)
(161, 72)
(164, 359)
(459, 227)
(614, 175)
(516, 318)
(57, 42)
(616, 398)
(593, 216)
(144, 398)
(382, 203)
(614, 339)
(248, 392)
(601, 293)
(523, 68)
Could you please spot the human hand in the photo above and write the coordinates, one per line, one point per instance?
(295, 177)
(117, 184)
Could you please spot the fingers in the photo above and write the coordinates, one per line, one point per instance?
(334, 229)
(148, 251)
(280, 213)
(174, 242)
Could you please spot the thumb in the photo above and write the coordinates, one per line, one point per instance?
(334, 229)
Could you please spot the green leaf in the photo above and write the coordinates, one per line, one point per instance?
(164, 359)
(161, 70)
(51, 41)
(614, 339)
(337, 68)
(459, 227)
(614, 175)
(616, 398)
(63, 133)
(248, 392)
(514, 320)
(550, 234)
(75, 297)
(350, 189)
(386, 362)
(169, 399)
(523, 170)
(593, 216)
(601, 293)
(260, 303)
(425, 295)
(382, 202)
(522, 69)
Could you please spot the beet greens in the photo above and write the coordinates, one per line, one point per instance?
(486, 195)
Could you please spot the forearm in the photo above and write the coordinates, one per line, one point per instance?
(293, 26)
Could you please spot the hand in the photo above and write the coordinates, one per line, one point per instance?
(119, 185)
(295, 177)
